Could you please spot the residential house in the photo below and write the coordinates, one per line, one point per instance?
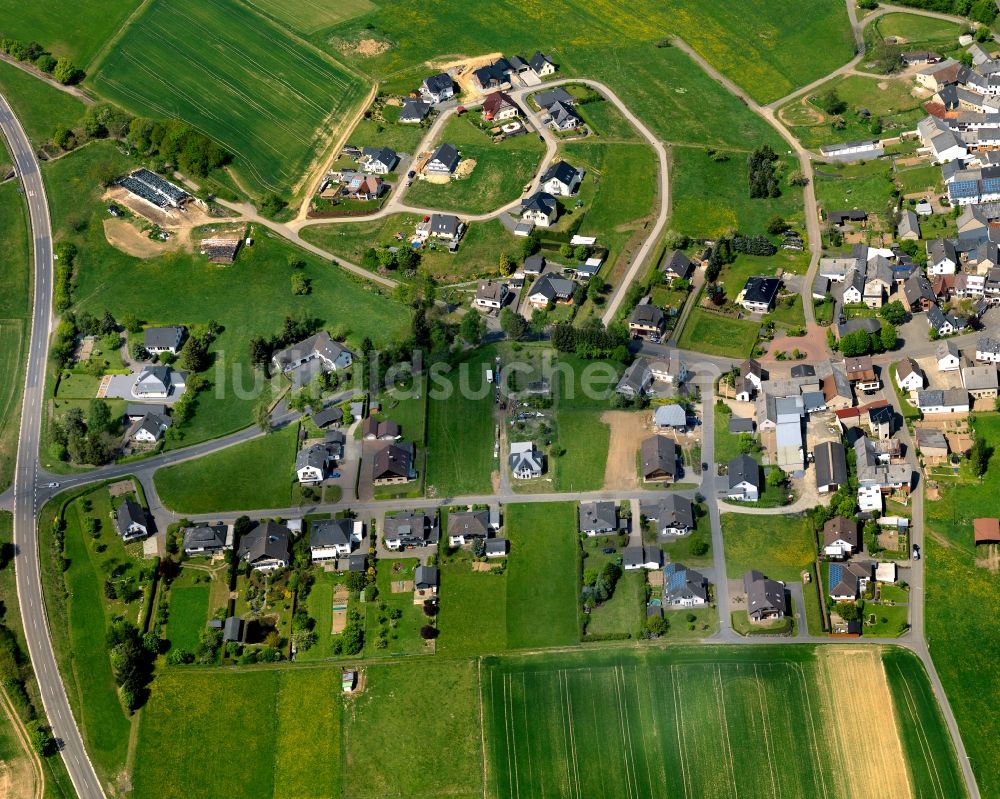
(879, 282)
(840, 218)
(980, 381)
(563, 117)
(684, 587)
(988, 349)
(875, 471)
(131, 520)
(947, 356)
(670, 417)
(158, 382)
(393, 463)
(676, 266)
(954, 400)
(443, 161)
(541, 65)
(438, 88)
(208, 539)
(942, 257)
(497, 547)
(831, 466)
(493, 76)
(148, 429)
(918, 293)
(551, 289)
(499, 107)
(634, 558)
(491, 295)
(847, 581)
(659, 460)
(599, 518)
(266, 547)
(330, 539)
(541, 209)
(379, 160)
(163, 339)
(314, 463)
(426, 578)
(672, 515)
(414, 112)
(134, 411)
(409, 529)
(908, 228)
(333, 415)
(861, 373)
(744, 479)
(766, 600)
(972, 224)
(835, 268)
(841, 538)
(752, 372)
(932, 445)
(943, 324)
(561, 179)
(647, 320)
(365, 188)
(447, 227)
(534, 265)
(672, 370)
(556, 95)
(880, 421)
(738, 425)
(464, 526)
(759, 294)
(909, 376)
(331, 354)
(526, 463)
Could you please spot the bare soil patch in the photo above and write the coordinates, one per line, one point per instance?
(121, 487)
(992, 559)
(882, 771)
(123, 235)
(366, 48)
(465, 167)
(628, 429)
(481, 566)
(402, 586)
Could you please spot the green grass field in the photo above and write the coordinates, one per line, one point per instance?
(920, 33)
(779, 546)
(463, 594)
(677, 722)
(718, 335)
(185, 289)
(961, 628)
(314, 15)
(625, 612)
(501, 173)
(920, 179)
(67, 28)
(38, 106)
(460, 428)
(271, 755)
(15, 310)
(188, 615)
(867, 186)
(542, 575)
(585, 438)
(254, 474)
(265, 96)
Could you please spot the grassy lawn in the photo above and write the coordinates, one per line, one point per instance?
(254, 474)
(962, 628)
(889, 621)
(714, 334)
(263, 95)
(625, 612)
(605, 121)
(501, 173)
(623, 178)
(779, 546)
(542, 580)
(920, 33)
(403, 634)
(460, 429)
(185, 289)
(415, 731)
(190, 595)
(92, 25)
(40, 107)
(272, 740)
(319, 605)
(867, 186)
(390, 133)
(465, 629)
(585, 438)
(692, 170)
(727, 445)
(15, 314)
(920, 178)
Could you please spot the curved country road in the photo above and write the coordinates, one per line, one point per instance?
(29, 585)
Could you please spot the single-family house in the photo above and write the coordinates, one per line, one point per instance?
(599, 518)
(525, 461)
(561, 179)
(541, 209)
(393, 463)
(670, 417)
(908, 228)
(498, 107)
(766, 599)
(880, 420)
(875, 469)
(759, 293)
(330, 539)
(980, 381)
(131, 520)
(447, 227)
(266, 547)
(163, 339)
(464, 526)
(534, 265)
(831, 466)
(841, 538)
(497, 547)
(491, 295)
(659, 460)
(634, 558)
(953, 400)
(148, 429)
(493, 76)
(909, 376)
(671, 370)
(443, 161)
(918, 293)
(158, 382)
(541, 65)
(941, 323)
(314, 463)
(551, 289)
(684, 587)
(942, 257)
(333, 415)
(947, 354)
(321, 346)
(861, 373)
(409, 529)
(672, 515)
(426, 578)
(676, 266)
(438, 88)
(379, 160)
(414, 112)
(646, 320)
(563, 117)
(988, 349)
(744, 479)
(208, 539)
(847, 581)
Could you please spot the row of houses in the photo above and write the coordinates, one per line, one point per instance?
(499, 74)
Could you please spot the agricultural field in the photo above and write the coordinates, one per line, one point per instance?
(272, 755)
(460, 429)
(477, 256)
(693, 170)
(309, 17)
(961, 628)
(93, 23)
(39, 107)
(501, 173)
(183, 288)
(15, 318)
(889, 99)
(266, 97)
(254, 474)
(678, 722)
(779, 546)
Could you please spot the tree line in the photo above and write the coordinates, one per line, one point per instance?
(62, 69)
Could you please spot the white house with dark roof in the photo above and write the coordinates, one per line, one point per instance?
(647, 320)
(526, 462)
(636, 379)
(321, 346)
(563, 117)
(447, 227)
(491, 295)
(313, 464)
(988, 349)
(266, 547)
(541, 209)
(684, 587)
(561, 179)
(549, 288)
(935, 400)
(598, 518)
(640, 557)
(948, 359)
(443, 161)
(163, 339)
(438, 88)
(414, 112)
(541, 64)
(766, 600)
(379, 160)
(744, 479)
(158, 382)
(672, 516)
(208, 539)
(148, 429)
(759, 293)
(131, 520)
(334, 538)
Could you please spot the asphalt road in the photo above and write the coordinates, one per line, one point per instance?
(29, 586)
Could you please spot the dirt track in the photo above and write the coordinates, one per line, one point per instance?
(627, 431)
(868, 757)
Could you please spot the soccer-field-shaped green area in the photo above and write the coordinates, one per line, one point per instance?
(266, 97)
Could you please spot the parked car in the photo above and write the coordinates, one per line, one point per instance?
(608, 550)
(916, 552)
(411, 174)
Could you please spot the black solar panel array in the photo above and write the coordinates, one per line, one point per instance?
(153, 188)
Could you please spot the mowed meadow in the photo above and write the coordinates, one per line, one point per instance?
(270, 99)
